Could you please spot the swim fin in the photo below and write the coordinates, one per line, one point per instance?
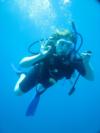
(33, 105)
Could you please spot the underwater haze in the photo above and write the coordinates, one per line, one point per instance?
(25, 21)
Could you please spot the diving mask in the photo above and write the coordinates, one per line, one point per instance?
(64, 47)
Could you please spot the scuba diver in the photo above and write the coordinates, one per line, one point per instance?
(58, 57)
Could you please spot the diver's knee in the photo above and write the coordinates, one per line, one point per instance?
(17, 90)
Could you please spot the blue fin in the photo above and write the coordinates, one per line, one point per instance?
(33, 105)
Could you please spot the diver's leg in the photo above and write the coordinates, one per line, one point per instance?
(27, 82)
(17, 88)
(48, 82)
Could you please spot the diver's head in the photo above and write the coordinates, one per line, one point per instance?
(64, 47)
(66, 42)
(67, 35)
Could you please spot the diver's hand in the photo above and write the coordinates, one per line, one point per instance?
(46, 51)
(86, 56)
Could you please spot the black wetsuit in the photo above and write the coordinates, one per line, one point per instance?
(51, 67)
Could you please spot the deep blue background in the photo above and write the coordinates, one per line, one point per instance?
(57, 112)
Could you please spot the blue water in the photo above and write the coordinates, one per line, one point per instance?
(22, 22)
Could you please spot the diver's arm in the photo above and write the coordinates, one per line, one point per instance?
(84, 67)
(89, 72)
(31, 60)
